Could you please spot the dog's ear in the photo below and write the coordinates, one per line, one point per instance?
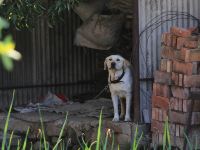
(105, 64)
(126, 63)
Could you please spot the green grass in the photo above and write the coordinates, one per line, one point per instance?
(136, 140)
(166, 136)
(3, 146)
(101, 142)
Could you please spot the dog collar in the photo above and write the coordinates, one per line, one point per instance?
(118, 80)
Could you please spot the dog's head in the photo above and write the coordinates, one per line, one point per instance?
(115, 62)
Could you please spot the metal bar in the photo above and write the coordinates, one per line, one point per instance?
(135, 62)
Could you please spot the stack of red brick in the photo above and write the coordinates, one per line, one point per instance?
(176, 84)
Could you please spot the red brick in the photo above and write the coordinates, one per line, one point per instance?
(170, 53)
(175, 103)
(180, 92)
(155, 113)
(160, 102)
(182, 118)
(182, 130)
(160, 138)
(180, 42)
(177, 130)
(154, 138)
(162, 77)
(191, 81)
(163, 65)
(172, 128)
(177, 141)
(190, 55)
(166, 65)
(172, 103)
(180, 79)
(180, 104)
(160, 115)
(161, 90)
(175, 78)
(187, 105)
(184, 42)
(167, 39)
(178, 117)
(194, 93)
(157, 139)
(195, 118)
(169, 66)
(185, 93)
(174, 41)
(164, 37)
(184, 68)
(165, 115)
(157, 126)
(180, 32)
(191, 44)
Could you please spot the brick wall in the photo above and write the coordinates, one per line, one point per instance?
(176, 84)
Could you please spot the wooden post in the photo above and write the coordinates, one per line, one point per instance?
(135, 62)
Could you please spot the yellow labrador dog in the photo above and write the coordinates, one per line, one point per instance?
(120, 81)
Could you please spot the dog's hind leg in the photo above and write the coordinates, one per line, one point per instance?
(122, 106)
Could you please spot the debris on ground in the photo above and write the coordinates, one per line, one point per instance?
(50, 100)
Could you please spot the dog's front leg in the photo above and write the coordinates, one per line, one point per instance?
(122, 101)
(128, 106)
(115, 101)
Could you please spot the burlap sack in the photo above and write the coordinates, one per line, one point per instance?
(100, 31)
(87, 8)
(125, 6)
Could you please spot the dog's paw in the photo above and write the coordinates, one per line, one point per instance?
(127, 119)
(115, 119)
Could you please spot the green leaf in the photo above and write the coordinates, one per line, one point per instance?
(3, 23)
(61, 133)
(7, 62)
(1, 1)
(46, 145)
(8, 39)
(99, 132)
(188, 141)
(10, 140)
(25, 141)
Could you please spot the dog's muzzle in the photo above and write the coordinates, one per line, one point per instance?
(113, 65)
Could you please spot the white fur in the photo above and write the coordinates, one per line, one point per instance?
(122, 89)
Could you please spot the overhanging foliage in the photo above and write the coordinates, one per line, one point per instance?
(23, 14)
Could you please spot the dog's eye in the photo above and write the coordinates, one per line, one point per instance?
(118, 59)
(110, 59)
